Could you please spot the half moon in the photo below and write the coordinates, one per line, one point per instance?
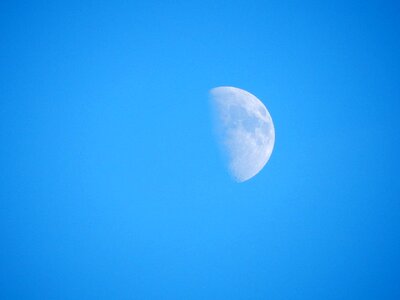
(245, 130)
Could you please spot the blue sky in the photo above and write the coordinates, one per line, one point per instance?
(111, 184)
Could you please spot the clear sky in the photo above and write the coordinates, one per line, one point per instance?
(111, 184)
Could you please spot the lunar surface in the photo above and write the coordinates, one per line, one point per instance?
(244, 129)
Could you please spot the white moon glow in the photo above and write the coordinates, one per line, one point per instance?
(245, 130)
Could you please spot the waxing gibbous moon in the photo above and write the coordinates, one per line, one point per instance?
(245, 130)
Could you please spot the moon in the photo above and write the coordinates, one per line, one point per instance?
(245, 130)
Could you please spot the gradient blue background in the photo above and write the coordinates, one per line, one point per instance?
(112, 187)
